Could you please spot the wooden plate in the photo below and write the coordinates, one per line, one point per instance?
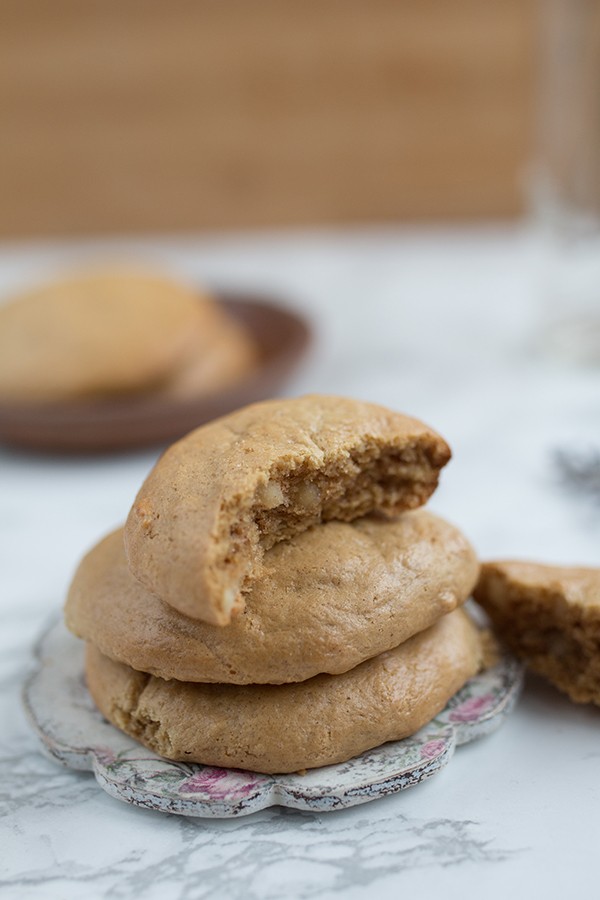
(87, 426)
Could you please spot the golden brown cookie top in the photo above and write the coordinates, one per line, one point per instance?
(99, 332)
(284, 728)
(328, 599)
(221, 496)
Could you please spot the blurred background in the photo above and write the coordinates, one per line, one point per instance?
(125, 116)
(420, 180)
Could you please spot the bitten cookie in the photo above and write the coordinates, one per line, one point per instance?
(550, 617)
(229, 491)
(284, 728)
(328, 599)
(99, 333)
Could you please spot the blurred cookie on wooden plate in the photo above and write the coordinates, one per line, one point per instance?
(111, 332)
(122, 357)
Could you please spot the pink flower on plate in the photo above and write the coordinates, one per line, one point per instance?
(105, 756)
(472, 709)
(432, 749)
(220, 784)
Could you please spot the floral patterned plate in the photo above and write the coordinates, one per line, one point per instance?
(74, 733)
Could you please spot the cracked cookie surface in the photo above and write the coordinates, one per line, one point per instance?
(328, 599)
(286, 728)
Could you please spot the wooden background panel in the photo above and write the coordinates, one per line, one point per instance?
(121, 115)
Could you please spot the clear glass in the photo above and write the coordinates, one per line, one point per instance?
(568, 175)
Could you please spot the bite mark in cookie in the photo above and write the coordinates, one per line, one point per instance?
(229, 491)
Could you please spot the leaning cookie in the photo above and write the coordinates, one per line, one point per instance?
(329, 598)
(550, 617)
(284, 728)
(227, 492)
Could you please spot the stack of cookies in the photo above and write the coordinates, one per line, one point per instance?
(117, 332)
(277, 599)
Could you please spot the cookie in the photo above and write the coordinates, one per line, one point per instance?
(286, 728)
(98, 333)
(550, 617)
(222, 354)
(328, 599)
(227, 492)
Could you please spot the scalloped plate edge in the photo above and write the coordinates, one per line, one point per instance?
(384, 770)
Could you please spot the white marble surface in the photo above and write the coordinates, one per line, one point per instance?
(440, 323)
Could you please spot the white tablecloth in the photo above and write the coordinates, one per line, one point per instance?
(440, 323)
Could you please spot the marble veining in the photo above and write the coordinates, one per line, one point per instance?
(282, 847)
